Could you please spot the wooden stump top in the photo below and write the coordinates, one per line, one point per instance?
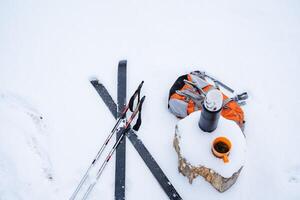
(195, 144)
(193, 147)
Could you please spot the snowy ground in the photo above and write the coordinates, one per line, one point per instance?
(52, 121)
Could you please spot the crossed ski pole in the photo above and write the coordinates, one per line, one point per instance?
(126, 128)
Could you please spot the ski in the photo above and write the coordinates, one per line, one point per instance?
(107, 99)
(157, 172)
(121, 150)
(153, 166)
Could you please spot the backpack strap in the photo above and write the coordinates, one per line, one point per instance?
(199, 97)
(226, 101)
(239, 98)
(198, 81)
(217, 83)
(178, 85)
(193, 85)
(190, 95)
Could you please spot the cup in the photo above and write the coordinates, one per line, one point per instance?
(221, 147)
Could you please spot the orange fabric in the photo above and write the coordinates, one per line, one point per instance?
(177, 96)
(231, 111)
(189, 77)
(191, 107)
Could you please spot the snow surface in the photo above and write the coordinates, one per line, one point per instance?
(195, 144)
(50, 49)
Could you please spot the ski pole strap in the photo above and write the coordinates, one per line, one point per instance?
(134, 96)
(139, 119)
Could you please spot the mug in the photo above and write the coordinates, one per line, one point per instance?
(221, 147)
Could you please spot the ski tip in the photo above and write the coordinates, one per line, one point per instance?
(123, 62)
(93, 79)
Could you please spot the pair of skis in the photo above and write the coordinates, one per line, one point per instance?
(136, 110)
(116, 111)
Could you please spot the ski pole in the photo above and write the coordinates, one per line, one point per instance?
(128, 106)
(97, 156)
(125, 130)
(103, 166)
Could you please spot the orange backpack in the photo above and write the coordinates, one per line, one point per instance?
(188, 92)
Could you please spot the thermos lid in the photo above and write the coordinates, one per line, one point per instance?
(213, 100)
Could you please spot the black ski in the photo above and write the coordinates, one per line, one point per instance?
(140, 147)
(109, 102)
(153, 166)
(121, 150)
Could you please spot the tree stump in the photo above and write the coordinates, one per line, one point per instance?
(193, 148)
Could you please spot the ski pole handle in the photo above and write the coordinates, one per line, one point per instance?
(136, 111)
(135, 94)
(140, 86)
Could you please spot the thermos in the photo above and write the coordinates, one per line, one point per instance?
(211, 110)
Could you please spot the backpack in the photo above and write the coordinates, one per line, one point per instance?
(188, 93)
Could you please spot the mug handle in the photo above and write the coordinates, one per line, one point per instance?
(225, 159)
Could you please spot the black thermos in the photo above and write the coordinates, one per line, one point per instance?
(211, 110)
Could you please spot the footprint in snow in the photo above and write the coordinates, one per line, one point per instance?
(35, 139)
(294, 174)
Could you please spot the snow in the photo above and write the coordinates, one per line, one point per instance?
(195, 144)
(25, 142)
(50, 49)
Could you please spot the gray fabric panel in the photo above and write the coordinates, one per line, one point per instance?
(190, 94)
(199, 81)
(178, 107)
